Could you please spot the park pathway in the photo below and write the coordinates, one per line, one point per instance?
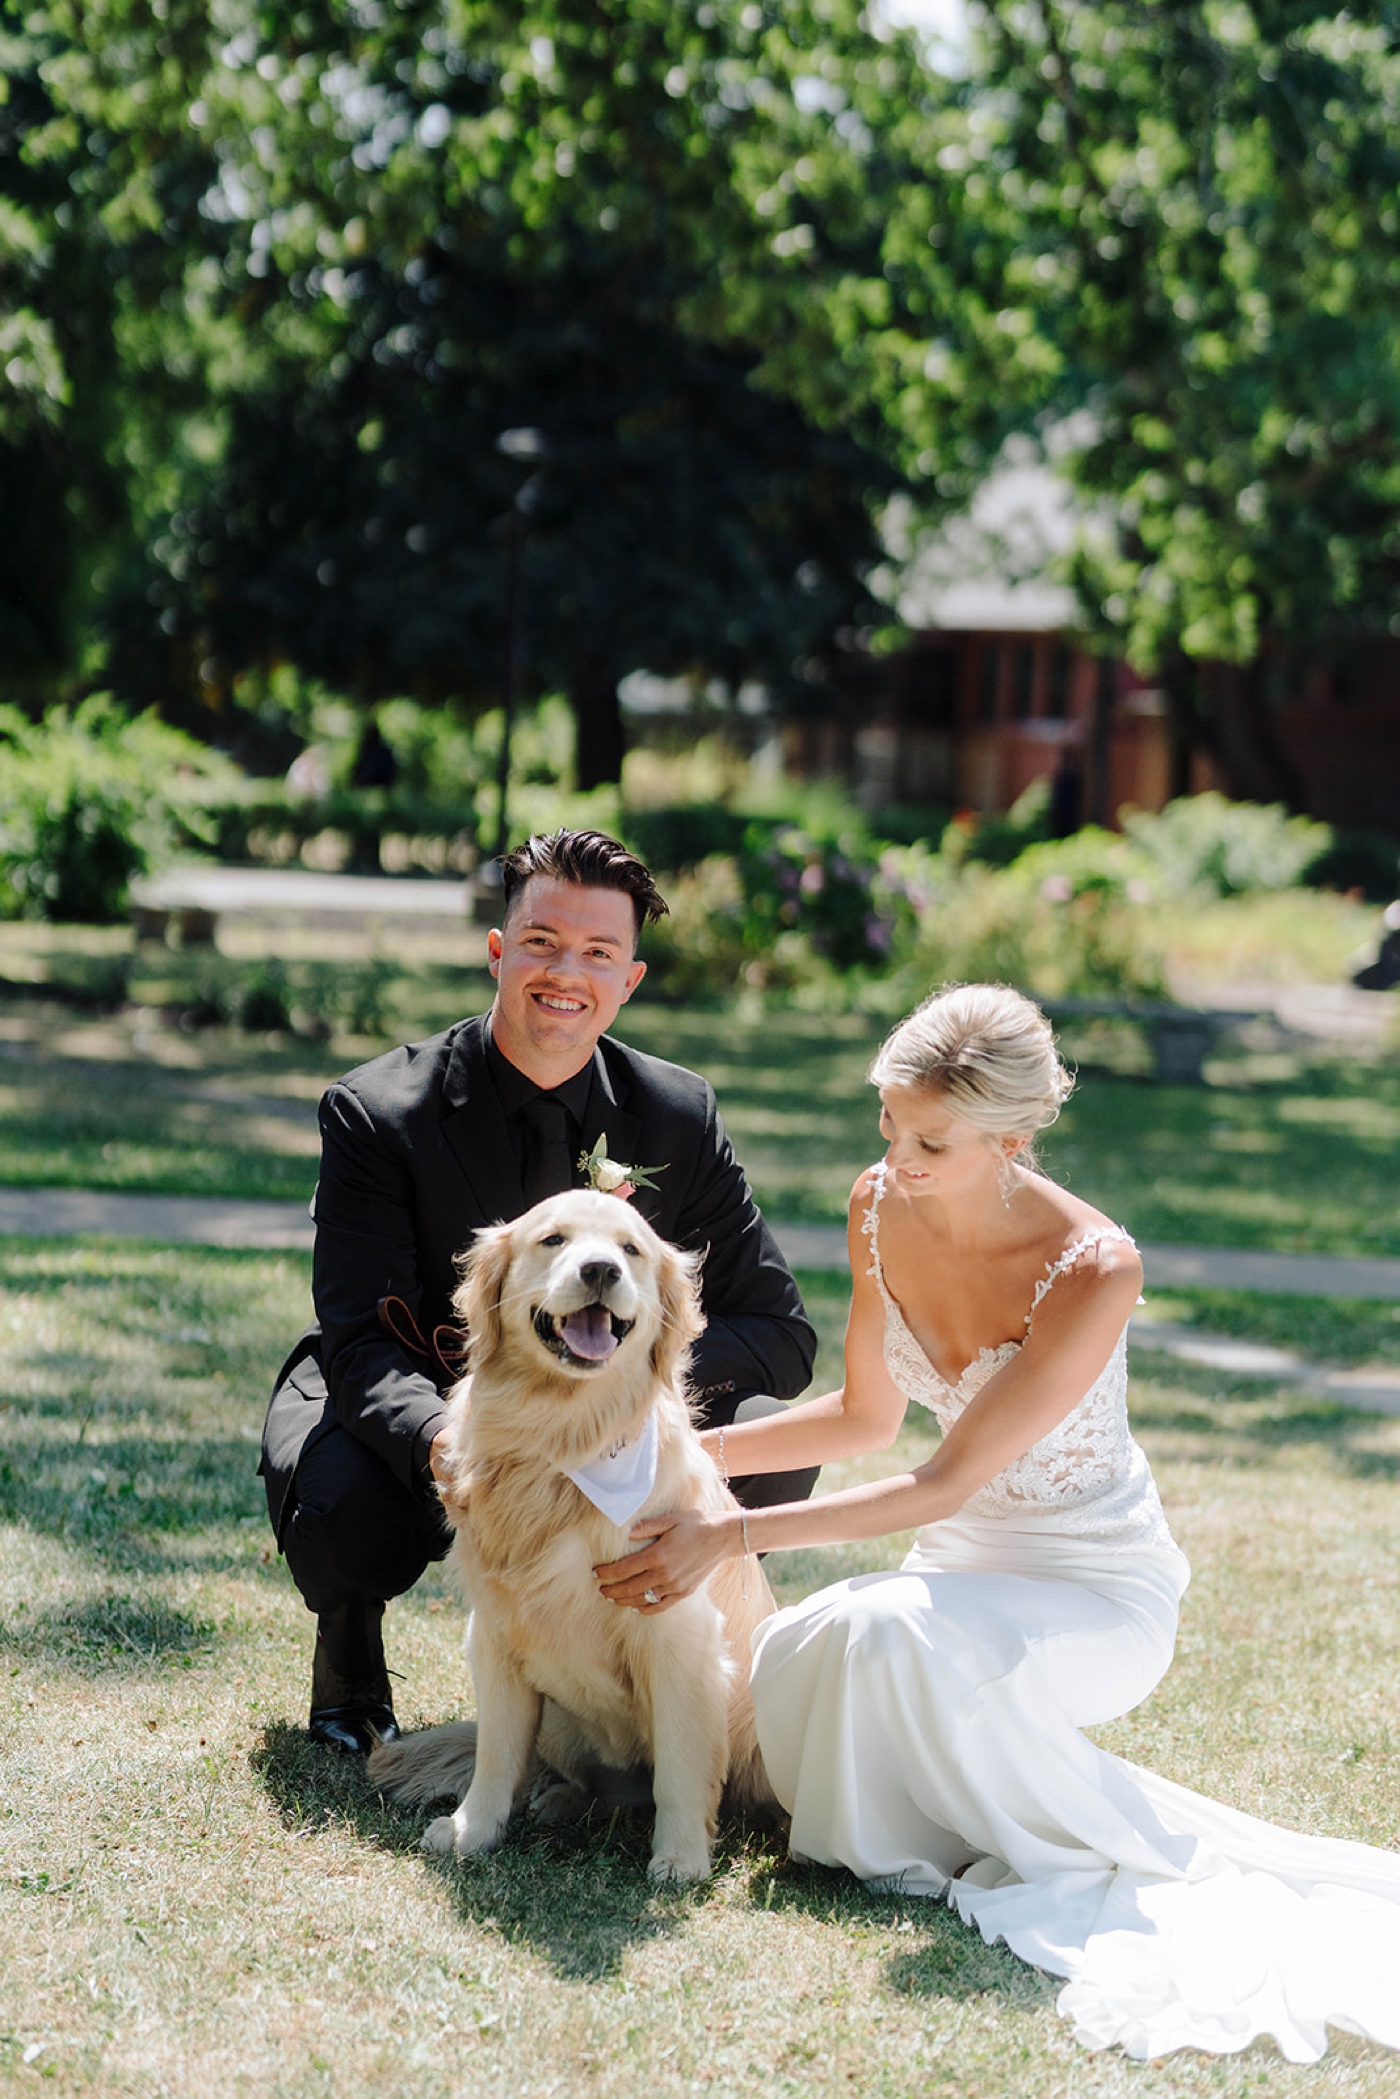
(194, 1220)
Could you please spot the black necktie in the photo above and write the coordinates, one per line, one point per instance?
(548, 1166)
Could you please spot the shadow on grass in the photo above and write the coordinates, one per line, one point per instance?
(135, 1504)
(91, 1636)
(577, 1898)
(943, 1957)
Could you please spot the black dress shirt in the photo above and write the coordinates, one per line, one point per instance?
(514, 1091)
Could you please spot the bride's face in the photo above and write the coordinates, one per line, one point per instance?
(933, 1152)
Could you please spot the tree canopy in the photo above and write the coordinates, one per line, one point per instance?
(1206, 198)
(379, 243)
(320, 320)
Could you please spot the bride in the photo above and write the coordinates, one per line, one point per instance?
(923, 1727)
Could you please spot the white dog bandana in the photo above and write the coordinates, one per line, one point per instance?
(620, 1481)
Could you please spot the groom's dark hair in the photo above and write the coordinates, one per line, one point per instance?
(590, 859)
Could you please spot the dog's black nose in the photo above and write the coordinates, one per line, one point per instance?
(599, 1275)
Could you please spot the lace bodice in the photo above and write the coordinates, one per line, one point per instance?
(1086, 1476)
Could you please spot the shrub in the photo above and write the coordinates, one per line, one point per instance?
(998, 840)
(1046, 932)
(265, 824)
(1361, 860)
(699, 949)
(675, 839)
(1091, 860)
(913, 823)
(1204, 842)
(796, 915)
(76, 855)
(91, 797)
(851, 901)
(786, 913)
(268, 995)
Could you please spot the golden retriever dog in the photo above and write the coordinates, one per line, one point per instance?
(579, 1321)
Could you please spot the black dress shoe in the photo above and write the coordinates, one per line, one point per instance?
(353, 1730)
(351, 1710)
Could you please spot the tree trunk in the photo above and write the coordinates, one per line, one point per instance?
(599, 742)
(1257, 766)
(1100, 742)
(1180, 683)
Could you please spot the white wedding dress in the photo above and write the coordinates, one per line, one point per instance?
(923, 1729)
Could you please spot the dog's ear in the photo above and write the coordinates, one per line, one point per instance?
(682, 1322)
(477, 1298)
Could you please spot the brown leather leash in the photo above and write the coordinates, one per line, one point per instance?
(444, 1351)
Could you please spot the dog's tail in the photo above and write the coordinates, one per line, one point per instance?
(435, 1765)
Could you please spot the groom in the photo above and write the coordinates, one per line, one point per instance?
(421, 1148)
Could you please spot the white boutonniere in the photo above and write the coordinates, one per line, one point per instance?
(611, 1176)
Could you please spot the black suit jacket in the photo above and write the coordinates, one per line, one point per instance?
(415, 1157)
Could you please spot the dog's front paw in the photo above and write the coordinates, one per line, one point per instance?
(680, 1863)
(466, 1835)
(440, 1836)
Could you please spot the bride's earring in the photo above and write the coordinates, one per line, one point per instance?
(1006, 1175)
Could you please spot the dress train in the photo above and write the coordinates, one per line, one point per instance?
(923, 1729)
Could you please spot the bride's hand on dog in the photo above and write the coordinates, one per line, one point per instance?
(676, 1555)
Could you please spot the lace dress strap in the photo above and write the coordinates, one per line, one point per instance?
(870, 1225)
(1090, 1242)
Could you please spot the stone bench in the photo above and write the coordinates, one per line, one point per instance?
(191, 900)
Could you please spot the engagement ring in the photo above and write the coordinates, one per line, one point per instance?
(650, 1596)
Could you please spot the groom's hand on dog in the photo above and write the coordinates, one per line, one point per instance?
(439, 1463)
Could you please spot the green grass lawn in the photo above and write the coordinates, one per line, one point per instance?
(128, 1105)
(194, 1900)
(1342, 1330)
(1307, 1160)
(1282, 1152)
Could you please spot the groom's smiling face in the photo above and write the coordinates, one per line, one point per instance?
(564, 966)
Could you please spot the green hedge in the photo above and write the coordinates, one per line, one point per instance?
(91, 797)
(268, 825)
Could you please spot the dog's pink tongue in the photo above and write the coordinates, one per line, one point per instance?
(589, 1333)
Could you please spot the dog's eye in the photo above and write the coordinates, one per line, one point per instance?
(629, 1248)
(553, 1239)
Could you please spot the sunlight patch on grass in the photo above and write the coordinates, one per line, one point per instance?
(1356, 1115)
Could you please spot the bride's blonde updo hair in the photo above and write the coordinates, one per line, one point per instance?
(987, 1052)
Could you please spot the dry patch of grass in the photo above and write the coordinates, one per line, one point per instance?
(194, 1900)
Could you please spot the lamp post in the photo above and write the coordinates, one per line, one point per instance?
(527, 445)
